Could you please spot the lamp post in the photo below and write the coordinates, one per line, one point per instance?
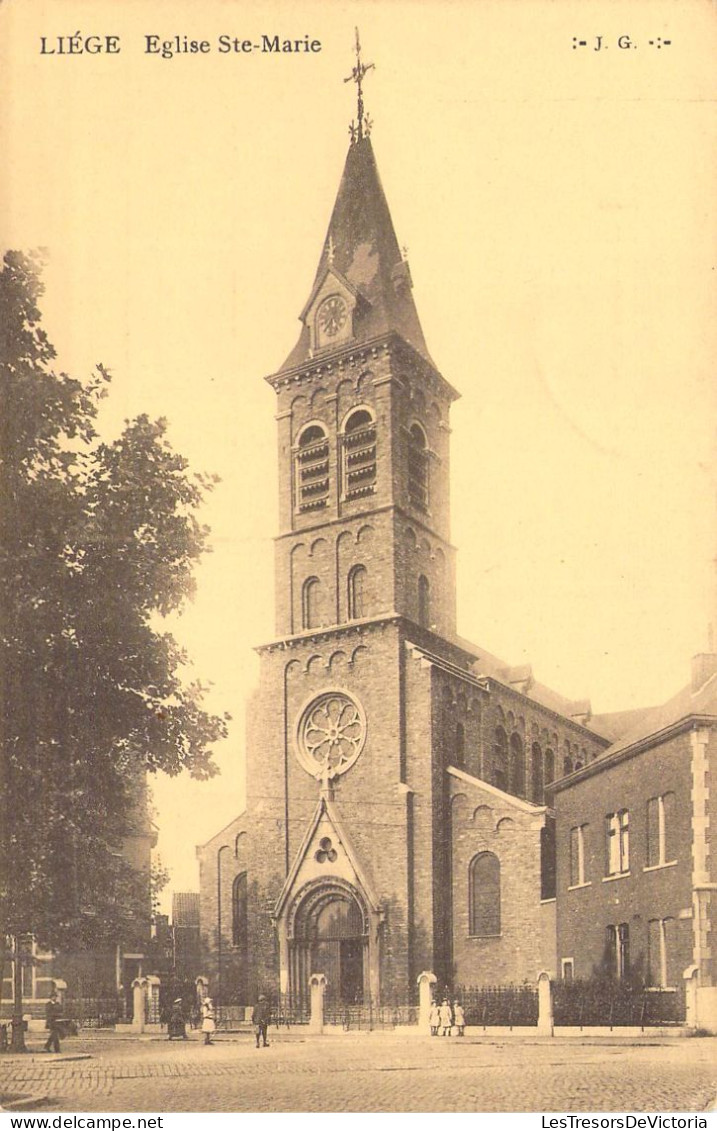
(219, 923)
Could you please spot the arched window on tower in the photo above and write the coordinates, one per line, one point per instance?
(311, 604)
(537, 774)
(417, 468)
(500, 759)
(517, 766)
(424, 602)
(312, 469)
(239, 911)
(359, 455)
(357, 592)
(484, 895)
(459, 747)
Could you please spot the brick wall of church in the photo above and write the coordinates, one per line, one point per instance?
(482, 822)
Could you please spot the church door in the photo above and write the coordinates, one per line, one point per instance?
(338, 947)
(331, 939)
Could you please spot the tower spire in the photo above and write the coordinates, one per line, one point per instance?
(362, 126)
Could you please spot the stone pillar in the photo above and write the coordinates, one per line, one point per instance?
(318, 985)
(691, 976)
(425, 980)
(139, 997)
(545, 1005)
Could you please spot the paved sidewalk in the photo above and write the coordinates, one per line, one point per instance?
(367, 1072)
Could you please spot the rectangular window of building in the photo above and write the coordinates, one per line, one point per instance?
(618, 950)
(660, 830)
(617, 832)
(659, 947)
(567, 969)
(577, 856)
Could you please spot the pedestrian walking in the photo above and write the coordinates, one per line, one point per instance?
(261, 1017)
(209, 1023)
(177, 1026)
(434, 1018)
(53, 1012)
(445, 1018)
(459, 1018)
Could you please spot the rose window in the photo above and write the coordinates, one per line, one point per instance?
(331, 735)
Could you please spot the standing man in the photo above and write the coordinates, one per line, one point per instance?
(261, 1017)
(52, 1022)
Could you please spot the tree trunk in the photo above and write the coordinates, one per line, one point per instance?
(18, 1029)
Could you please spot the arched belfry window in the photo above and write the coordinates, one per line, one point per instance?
(517, 766)
(359, 455)
(311, 604)
(239, 911)
(424, 602)
(357, 592)
(484, 895)
(312, 469)
(417, 468)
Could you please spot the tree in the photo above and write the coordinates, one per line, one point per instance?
(98, 541)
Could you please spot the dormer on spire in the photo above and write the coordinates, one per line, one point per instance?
(362, 126)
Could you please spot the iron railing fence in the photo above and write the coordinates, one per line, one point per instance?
(97, 1012)
(498, 1005)
(369, 1016)
(611, 1003)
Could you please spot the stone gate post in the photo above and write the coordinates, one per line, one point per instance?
(139, 997)
(425, 980)
(545, 1005)
(318, 985)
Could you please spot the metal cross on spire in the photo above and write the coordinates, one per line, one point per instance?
(362, 126)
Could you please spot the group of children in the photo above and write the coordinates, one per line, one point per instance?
(444, 1018)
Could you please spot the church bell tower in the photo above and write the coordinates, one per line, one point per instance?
(344, 798)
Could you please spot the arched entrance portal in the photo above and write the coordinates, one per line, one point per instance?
(331, 937)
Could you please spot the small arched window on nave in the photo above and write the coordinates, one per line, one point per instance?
(424, 602)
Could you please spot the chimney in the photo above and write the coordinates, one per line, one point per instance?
(704, 665)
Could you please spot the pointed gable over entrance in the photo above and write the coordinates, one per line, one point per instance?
(328, 916)
(362, 249)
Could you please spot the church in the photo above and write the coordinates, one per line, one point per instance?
(399, 778)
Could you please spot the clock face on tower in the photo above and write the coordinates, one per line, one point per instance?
(331, 317)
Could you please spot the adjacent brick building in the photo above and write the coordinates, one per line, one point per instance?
(636, 877)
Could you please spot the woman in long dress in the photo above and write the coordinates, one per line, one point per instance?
(209, 1024)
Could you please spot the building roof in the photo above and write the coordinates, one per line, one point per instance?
(362, 248)
(653, 720)
(646, 728)
(521, 679)
(185, 909)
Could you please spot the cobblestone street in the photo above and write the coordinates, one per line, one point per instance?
(370, 1073)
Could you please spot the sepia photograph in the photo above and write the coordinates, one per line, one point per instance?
(358, 606)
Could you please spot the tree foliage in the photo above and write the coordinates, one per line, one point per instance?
(98, 542)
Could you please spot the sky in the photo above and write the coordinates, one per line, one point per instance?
(556, 202)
